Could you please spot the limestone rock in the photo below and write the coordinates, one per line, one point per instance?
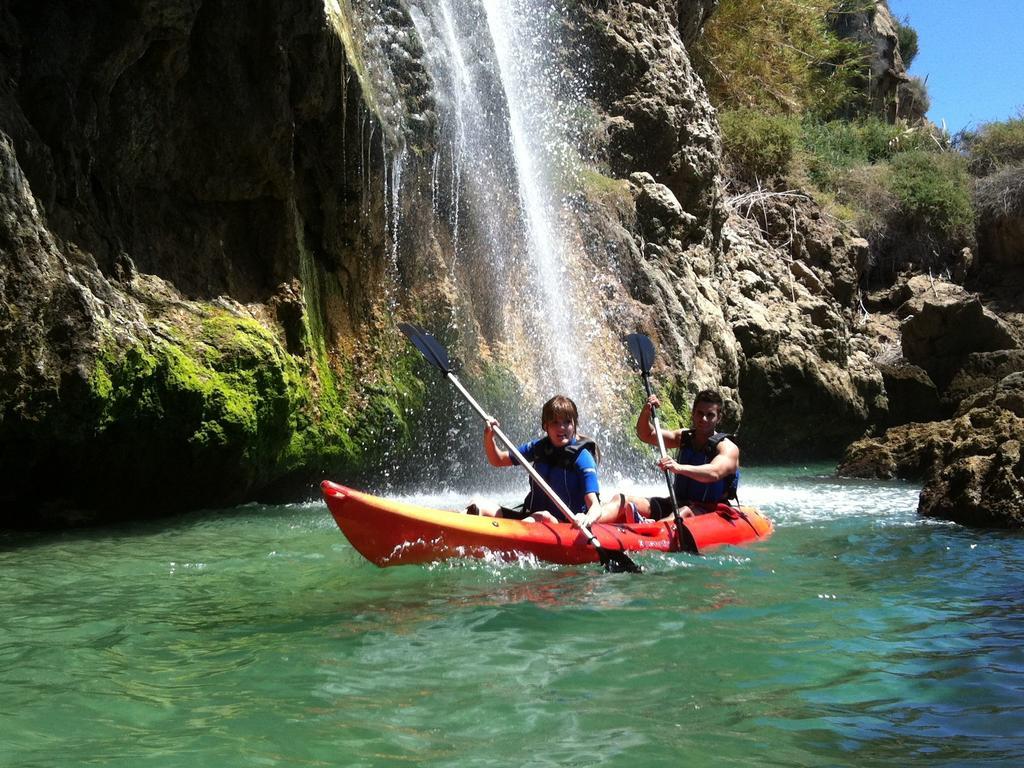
(940, 331)
(981, 371)
(659, 211)
(656, 115)
(971, 464)
(1007, 394)
(912, 395)
(169, 171)
(798, 353)
(692, 16)
(981, 483)
(875, 25)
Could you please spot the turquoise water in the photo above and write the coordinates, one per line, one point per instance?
(857, 635)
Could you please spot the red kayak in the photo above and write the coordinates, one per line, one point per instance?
(388, 532)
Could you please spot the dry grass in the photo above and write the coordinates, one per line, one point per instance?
(1000, 195)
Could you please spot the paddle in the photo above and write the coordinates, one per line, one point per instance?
(642, 350)
(613, 560)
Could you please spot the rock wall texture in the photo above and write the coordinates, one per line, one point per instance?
(956, 372)
(185, 291)
(971, 465)
(876, 26)
(757, 298)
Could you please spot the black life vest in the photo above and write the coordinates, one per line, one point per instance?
(730, 484)
(563, 458)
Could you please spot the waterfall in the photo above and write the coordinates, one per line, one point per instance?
(498, 170)
(536, 142)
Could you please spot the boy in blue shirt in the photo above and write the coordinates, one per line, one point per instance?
(566, 460)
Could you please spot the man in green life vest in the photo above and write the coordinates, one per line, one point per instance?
(706, 467)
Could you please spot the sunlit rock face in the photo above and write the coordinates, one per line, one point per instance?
(874, 24)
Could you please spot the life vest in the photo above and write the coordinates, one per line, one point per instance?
(555, 459)
(563, 458)
(688, 489)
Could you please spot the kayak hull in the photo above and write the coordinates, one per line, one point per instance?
(388, 532)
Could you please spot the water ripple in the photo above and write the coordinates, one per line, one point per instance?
(857, 635)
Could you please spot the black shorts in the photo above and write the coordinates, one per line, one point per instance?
(661, 507)
(521, 512)
(514, 513)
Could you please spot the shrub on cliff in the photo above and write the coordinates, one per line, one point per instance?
(994, 146)
(935, 211)
(758, 147)
(1000, 195)
(913, 101)
(831, 148)
(865, 192)
(906, 37)
(780, 57)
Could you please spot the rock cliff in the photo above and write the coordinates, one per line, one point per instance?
(202, 253)
(185, 287)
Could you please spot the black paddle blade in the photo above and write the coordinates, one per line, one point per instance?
(642, 350)
(615, 561)
(686, 541)
(429, 346)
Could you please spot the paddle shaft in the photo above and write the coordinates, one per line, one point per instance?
(668, 477)
(534, 474)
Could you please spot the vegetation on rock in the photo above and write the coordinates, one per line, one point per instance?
(993, 146)
(935, 211)
(225, 412)
(781, 57)
(902, 185)
(907, 40)
(1001, 194)
(758, 147)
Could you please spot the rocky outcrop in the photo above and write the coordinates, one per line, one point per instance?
(800, 355)
(725, 308)
(185, 285)
(981, 371)
(656, 117)
(692, 16)
(971, 465)
(876, 26)
(942, 324)
(912, 395)
(956, 355)
(938, 344)
(673, 279)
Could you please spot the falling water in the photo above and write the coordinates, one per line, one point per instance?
(495, 168)
(474, 143)
(536, 140)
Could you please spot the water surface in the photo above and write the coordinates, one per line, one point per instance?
(857, 635)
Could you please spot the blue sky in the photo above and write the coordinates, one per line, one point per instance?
(971, 52)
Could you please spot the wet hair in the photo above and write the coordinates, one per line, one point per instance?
(561, 407)
(711, 397)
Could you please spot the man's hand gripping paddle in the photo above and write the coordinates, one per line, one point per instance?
(642, 350)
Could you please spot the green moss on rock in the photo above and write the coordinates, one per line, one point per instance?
(217, 408)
